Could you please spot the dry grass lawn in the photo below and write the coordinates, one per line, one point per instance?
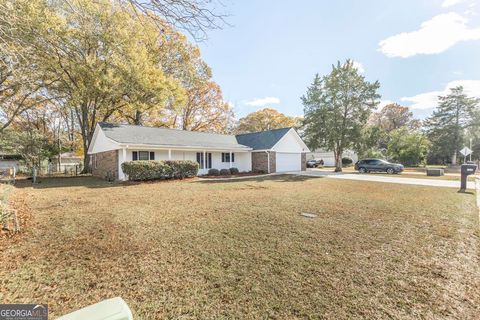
(240, 250)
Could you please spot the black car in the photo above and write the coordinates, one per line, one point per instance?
(378, 165)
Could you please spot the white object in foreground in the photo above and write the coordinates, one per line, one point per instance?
(111, 309)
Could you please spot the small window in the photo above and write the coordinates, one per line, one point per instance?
(226, 157)
(143, 155)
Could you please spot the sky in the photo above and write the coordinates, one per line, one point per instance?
(417, 49)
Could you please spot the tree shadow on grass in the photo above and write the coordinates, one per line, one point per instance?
(66, 182)
(273, 178)
(98, 183)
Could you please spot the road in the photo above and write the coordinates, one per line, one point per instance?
(386, 179)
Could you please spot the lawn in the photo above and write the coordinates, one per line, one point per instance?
(240, 250)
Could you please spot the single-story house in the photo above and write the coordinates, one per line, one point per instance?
(279, 150)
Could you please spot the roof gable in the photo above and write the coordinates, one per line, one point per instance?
(264, 140)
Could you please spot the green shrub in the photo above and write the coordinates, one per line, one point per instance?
(346, 162)
(155, 170)
(183, 168)
(213, 172)
(234, 171)
(224, 172)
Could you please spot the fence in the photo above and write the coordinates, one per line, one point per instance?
(8, 174)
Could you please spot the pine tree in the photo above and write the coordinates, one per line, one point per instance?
(337, 107)
(446, 127)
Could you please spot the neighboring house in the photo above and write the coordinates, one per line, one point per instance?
(270, 151)
(8, 161)
(329, 158)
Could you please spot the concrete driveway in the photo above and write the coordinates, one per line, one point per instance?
(389, 179)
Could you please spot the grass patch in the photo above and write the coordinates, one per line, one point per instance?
(240, 249)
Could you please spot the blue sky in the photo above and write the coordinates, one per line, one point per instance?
(415, 48)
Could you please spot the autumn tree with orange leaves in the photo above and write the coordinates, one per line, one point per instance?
(266, 119)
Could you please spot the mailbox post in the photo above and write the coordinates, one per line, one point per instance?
(466, 170)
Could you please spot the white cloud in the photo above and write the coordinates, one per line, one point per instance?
(434, 36)
(358, 66)
(429, 100)
(260, 102)
(451, 3)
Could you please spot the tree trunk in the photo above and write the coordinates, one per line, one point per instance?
(138, 118)
(338, 160)
(454, 158)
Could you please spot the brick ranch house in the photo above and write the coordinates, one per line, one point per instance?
(279, 150)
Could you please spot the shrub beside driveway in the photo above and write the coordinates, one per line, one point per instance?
(241, 249)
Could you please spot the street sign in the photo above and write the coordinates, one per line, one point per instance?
(466, 151)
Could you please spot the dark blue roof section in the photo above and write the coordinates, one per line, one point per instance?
(262, 140)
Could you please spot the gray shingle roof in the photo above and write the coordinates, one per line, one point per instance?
(262, 140)
(130, 134)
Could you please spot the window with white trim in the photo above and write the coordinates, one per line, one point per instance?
(226, 157)
(143, 155)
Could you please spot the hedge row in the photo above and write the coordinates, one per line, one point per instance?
(154, 170)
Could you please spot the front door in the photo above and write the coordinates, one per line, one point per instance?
(201, 160)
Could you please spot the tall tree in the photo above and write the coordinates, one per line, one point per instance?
(204, 110)
(393, 116)
(446, 127)
(266, 119)
(100, 57)
(337, 107)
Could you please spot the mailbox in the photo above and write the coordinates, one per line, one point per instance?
(466, 170)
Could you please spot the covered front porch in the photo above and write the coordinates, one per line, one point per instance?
(206, 158)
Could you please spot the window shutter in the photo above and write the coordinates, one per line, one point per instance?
(223, 157)
(233, 157)
(152, 155)
(134, 155)
(209, 166)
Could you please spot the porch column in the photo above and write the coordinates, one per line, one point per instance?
(204, 159)
(230, 159)
(169, 154)
(122, 157)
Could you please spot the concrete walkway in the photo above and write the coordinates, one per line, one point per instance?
(389, 179)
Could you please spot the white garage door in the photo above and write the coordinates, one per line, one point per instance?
(288, 161)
